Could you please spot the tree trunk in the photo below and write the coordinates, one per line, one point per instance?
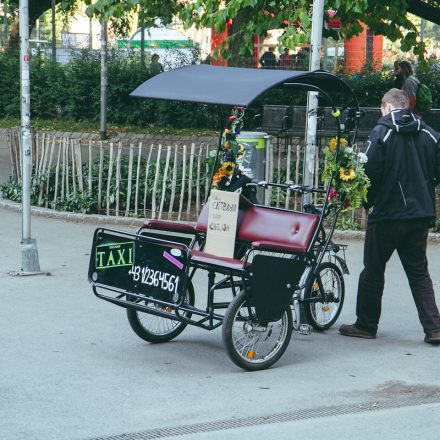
(236, 59)
(5, 21)
(104, 82)
(142, 22)
(14, 34)
(54, 37)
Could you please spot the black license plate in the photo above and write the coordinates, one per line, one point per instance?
(138, 264)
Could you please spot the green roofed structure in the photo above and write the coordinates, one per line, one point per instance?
(157, 38)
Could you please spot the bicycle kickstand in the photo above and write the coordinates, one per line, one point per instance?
(303, 327)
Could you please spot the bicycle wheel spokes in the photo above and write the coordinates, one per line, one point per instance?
(157, 324)
(154, 328)
(255, 342)
(323, 312)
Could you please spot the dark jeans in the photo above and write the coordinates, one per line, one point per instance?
(409, 238)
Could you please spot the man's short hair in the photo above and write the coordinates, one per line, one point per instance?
(397, 98)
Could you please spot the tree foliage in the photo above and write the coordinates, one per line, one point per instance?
(386, 18)
(164, 10)
(257, 17)
(36, 9)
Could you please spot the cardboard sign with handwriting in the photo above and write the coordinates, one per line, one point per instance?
(222, 223)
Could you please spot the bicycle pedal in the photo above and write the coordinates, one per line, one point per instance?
(305, 329)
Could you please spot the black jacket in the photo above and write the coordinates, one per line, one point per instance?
(403, 167)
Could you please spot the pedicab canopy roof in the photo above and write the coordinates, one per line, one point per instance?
(233, 86)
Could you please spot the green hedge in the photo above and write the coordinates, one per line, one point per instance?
(72, 92)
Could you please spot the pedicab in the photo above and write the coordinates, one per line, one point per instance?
(285, 272)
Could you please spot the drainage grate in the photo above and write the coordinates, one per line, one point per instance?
(293, 416)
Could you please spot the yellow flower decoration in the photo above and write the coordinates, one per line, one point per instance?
(334, 142)
(228, 168)
(218, 176)
(347, 174)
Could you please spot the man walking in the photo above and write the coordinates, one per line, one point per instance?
(404, 168)
(410, 83)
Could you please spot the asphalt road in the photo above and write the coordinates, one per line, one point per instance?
(71, 368)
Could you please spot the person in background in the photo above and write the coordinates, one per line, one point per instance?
(303, 59)
(404, 167)
(155, 66)
(286, 60)
(268, 60)
(398, 78)
(410, 83)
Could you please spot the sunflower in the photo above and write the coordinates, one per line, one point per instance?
(334, 142)
(227, 168)
(347, 174)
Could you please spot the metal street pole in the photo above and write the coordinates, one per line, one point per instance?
(422, 28)
(5, 18)
(29, 252)
(142, 14)
(312, 97)
(90, 33)
(104, 81)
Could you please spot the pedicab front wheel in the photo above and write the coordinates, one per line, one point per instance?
(252, 345)
(322, 312)
(157, 329)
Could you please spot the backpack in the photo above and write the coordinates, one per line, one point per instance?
(423, 98)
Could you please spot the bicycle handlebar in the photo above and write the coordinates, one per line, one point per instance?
(290, 186)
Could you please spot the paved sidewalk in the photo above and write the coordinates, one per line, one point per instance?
(72, 368)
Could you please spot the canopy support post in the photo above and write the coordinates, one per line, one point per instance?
(219, 146)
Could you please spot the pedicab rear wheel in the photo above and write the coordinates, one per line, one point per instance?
(157, 329)
(252, 345)
(322, 314)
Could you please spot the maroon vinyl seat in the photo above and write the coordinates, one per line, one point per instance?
(213, 260)
(269, 228)
(275, 229)
(163, 225)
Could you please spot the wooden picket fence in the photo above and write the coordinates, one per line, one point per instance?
(138, 180)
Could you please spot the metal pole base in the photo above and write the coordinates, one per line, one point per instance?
(29, 256)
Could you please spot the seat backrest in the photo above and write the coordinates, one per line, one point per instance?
(370, 118)
(299, 117)
(329, 120)
(274, 117)
(432, 118)
(292, 229)
(260, 223)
